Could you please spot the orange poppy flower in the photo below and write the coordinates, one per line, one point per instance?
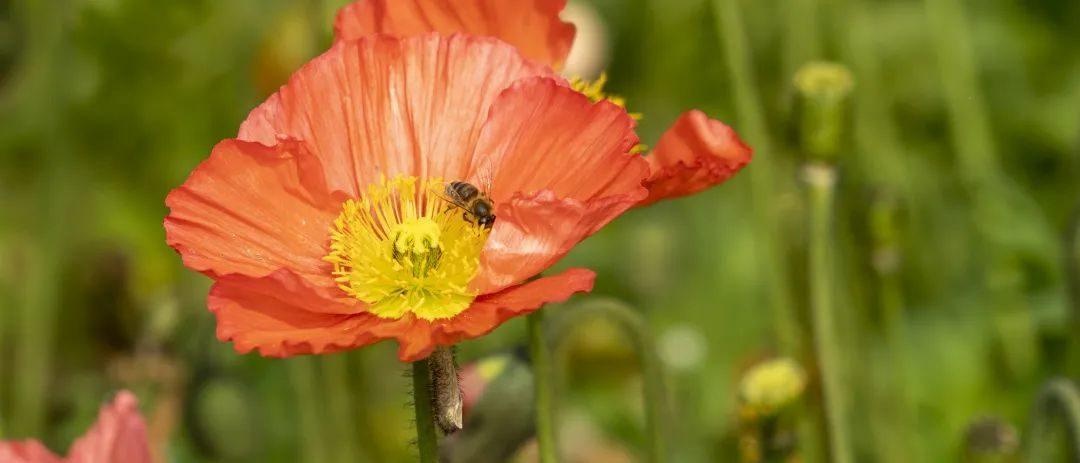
(694, 154)
(118, 435)
(326, 224)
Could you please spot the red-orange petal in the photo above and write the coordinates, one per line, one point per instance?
(382, 106)
(694, 154)
(27, 451)
(561, 169)
(533, 232)
(418, 338)
(119, 435)
(544, 136)
(252, 209)
(281, 316)
(490, 310)
(533, 26)
(274, 316)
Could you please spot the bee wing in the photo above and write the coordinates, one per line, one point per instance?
(483, 178)
(451, 201)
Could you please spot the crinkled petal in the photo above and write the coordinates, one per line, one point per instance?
(543, 135)
(252, 209)
(561, 168)
(382, 106)
(27, 451)
(533, 26)
(533, 232)
(418, 338)
(118, 436)
(694, 154)
(490, 310)
(281, 316)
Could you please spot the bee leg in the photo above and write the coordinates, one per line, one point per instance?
(465, 216)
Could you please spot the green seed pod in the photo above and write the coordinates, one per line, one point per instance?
(823, 90)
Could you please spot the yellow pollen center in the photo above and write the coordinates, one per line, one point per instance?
(401, 248)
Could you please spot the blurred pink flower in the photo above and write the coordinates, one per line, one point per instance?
(118, 436)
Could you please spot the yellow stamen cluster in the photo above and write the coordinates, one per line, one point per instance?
(402, 248)
(594, 90)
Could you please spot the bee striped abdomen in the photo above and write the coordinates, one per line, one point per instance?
(462, 191)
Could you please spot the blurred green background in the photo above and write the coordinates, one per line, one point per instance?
(957, 213)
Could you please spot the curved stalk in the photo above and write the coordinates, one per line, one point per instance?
(1059, 397)
(636, 331)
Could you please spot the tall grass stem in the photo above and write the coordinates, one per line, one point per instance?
(35, 90)
(339, 400)
(752, 123)
(302, 374)
(821, 184)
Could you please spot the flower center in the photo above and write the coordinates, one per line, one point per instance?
(402, 248)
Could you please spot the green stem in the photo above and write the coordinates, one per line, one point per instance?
(980, 171)
(1072, 268)
(545, 393)
(821, 182)
(637, 331)
(426, 439)
(967, 112)
(302, 375)
(801, 37)
(1059, 397)
(41, 73)
(339, 400)
(763, 189)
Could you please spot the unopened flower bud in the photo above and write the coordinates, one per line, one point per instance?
(822, 109)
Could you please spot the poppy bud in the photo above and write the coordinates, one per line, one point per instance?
(822, 110)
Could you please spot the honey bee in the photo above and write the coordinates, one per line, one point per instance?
(477, 205)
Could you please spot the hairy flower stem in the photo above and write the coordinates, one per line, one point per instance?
(1058, 398)
(426, 439)
(540, 355)
(821, 183)
(637, 332)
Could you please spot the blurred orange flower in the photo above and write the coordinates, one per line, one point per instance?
(119, 435)
(694, 154)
